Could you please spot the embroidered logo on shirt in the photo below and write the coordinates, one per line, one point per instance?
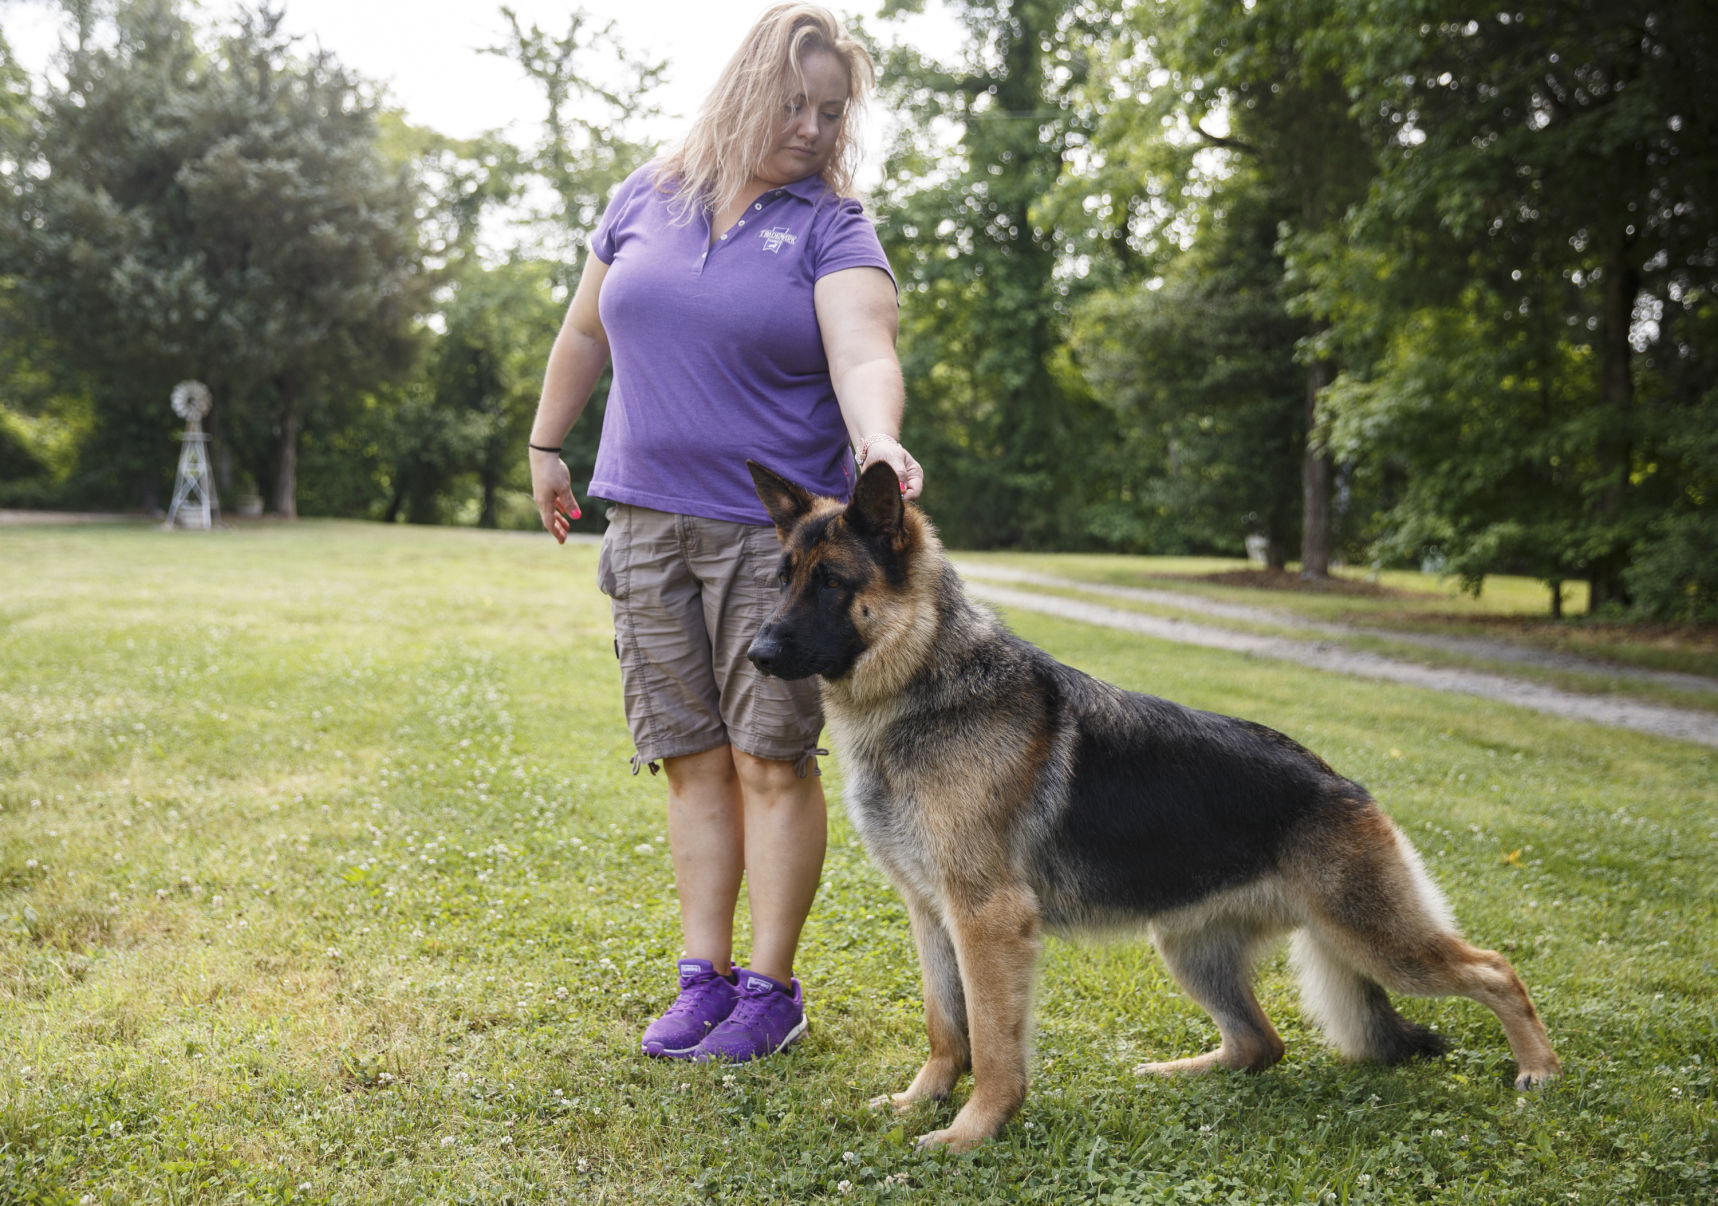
(775, 236)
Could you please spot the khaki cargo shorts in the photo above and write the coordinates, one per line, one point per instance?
(688, 595)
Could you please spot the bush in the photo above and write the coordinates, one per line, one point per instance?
(1675, 573)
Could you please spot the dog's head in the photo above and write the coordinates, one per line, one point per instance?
(842, 568)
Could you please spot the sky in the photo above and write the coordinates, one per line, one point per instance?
(426, 51)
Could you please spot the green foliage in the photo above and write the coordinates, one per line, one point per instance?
(1529, 280)
(1399, 281)
(472, 412)
(595, 92)
(218, 213)
(1014, 445)
(1212, 332)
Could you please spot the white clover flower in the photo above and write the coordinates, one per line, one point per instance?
(447, 1141)
(849, 1158)
(845, 1187)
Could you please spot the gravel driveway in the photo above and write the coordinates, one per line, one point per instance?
(1003, 587)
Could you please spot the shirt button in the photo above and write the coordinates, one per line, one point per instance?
(759, 205)
(742, 222)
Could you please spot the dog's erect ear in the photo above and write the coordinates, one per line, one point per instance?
(877, 509)
(786, 502)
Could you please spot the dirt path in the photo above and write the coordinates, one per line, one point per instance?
(986, 583)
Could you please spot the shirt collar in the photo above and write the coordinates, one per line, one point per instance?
(811, 189)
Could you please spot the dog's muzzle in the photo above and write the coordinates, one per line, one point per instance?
(765, 650)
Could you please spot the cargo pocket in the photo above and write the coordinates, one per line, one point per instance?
(609, 578)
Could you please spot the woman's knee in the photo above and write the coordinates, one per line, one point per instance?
(768, 776)
(707, 769)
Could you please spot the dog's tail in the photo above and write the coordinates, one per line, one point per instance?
(1353, 1010)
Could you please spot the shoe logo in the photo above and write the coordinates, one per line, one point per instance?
(758, 984)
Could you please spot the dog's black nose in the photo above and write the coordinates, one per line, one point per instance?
(765, 649)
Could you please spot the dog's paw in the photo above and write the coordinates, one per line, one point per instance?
(1198, 1065)
(1530, 1079)
(896, 1103)
(952, 1139)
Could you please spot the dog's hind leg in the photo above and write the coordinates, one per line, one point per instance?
(1352, 1009)
(1376, 911)
(945, 1012)
(1214, 963)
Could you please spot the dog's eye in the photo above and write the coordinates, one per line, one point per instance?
(828, 581)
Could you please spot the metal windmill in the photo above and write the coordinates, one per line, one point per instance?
(194, 502)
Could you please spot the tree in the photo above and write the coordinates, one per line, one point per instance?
(228, 216)
(1201, 362)
(1531, 278)
(1260, 83)
(987, 267)
(487, 368)
(589, 142)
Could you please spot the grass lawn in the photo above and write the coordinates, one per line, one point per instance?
(323, 878)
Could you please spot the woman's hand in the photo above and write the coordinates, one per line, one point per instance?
(552, 490)
(888, 449)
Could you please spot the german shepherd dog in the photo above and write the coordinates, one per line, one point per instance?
(1005, 794)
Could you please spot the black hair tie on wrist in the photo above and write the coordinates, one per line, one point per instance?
(540, 448)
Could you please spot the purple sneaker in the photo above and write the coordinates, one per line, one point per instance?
(769, 1017)
(706, 998)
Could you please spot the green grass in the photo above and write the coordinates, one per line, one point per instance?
(323, 879)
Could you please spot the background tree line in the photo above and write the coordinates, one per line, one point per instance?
(1382, 281)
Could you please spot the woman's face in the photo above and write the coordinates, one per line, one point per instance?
(809, 121)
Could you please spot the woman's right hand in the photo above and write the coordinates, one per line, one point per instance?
(552, 490)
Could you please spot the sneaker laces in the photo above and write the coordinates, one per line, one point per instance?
(692, 997)
(752, 1008)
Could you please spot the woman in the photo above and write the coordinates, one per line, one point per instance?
(749, 312)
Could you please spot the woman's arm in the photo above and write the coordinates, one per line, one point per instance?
(857, 311)
(575, 362)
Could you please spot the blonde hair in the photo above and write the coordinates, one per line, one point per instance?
(740, 120)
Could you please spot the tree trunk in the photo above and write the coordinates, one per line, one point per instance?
(1616, 432)
(286, 456)
(489, 515)
(1317, 471)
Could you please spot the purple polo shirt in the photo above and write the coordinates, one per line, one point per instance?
(717, 351)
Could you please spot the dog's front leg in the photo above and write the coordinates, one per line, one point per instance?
(945, 1011)
(996, 943)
